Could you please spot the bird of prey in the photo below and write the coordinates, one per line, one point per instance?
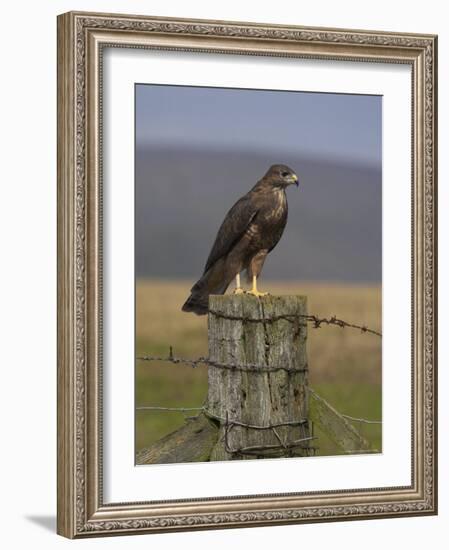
(250, 230)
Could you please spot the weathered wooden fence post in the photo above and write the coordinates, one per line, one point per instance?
(258, 379)
(259, 404)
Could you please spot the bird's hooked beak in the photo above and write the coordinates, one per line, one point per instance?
(295, 180)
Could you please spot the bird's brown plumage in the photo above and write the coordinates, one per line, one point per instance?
(250, 230)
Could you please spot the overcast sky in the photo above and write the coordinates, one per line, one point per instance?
(333, 126)
(200, 149)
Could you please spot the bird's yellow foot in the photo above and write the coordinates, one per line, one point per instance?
(238, 291)
(256, 293)
(254, 290)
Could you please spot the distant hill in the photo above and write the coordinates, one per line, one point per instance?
(334, 230)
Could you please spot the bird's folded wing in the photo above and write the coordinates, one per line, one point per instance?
(236, 222)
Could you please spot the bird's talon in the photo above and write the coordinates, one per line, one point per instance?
(238, 291)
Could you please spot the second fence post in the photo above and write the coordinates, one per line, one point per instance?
(258, 379)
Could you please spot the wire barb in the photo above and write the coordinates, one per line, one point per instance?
(249, 367)
(315, 320)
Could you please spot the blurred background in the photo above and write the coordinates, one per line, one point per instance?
(200, 149)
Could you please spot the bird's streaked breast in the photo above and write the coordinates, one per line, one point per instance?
(279, 205)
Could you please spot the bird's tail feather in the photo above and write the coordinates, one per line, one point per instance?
(198, 301)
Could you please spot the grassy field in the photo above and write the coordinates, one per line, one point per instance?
(344, 365)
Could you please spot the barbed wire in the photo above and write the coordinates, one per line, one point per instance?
(261, 450)
(351, 418)
(252, 426)
(210, 414)
(314, 319)
(228, 425)
(249, 367)
(285, 447)
(299, 422)
(252, 367)
(361, 451)
(360, 420)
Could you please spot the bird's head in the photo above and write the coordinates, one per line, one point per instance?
(280, 175)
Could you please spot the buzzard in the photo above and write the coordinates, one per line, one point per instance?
(250, 230)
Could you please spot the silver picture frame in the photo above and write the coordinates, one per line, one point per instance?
(82, 38)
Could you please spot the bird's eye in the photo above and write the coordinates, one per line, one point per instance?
(284, 174)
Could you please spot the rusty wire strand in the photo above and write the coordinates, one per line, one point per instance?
(314, 319)
(221, 419)
(351, 418)
(361, 452)
(278, 437)
(361, 420)
(194, 363)
(258, 449)
(251, 367)
(242, 424)
(298, 422)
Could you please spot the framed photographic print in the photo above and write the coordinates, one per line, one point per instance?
(246, 274)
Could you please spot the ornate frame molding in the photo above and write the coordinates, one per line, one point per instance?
(81, 37)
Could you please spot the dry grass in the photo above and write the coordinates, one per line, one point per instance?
(345, 365)
(332, 351)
